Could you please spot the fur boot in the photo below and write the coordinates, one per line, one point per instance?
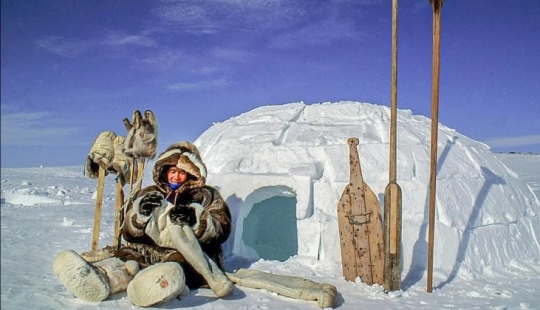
(290, 286)
(157, 284)
(118, 273)
(93, 282)
(182, 238)
(186, 243)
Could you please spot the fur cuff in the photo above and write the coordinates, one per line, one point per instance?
(205, 227)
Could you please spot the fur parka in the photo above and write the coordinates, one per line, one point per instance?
(212, 226)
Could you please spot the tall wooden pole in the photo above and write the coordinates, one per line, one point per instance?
(392, 193)
(141, 163)
(393, 97)
(436, 4)
(117, 239)
(97, 212)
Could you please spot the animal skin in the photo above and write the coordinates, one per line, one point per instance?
(141, 139)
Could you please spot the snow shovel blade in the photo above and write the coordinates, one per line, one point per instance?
(360, 226)
(348, 256)
(375, 235)
(361, 238)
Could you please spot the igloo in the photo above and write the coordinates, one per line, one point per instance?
(283, 168)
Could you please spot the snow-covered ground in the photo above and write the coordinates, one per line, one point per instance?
(45, 210)
(526, 166)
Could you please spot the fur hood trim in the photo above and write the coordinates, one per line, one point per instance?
(185, 156)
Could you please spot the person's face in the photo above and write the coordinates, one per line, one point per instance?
(176, 175)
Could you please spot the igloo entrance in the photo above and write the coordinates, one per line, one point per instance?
(270, 228)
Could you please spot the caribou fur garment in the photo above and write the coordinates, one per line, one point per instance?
(107, 153)
(101, 154)
(142, 133)
(212, 225)
(121, 165)
(185, 156)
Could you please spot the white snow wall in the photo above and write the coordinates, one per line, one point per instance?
(300, 151)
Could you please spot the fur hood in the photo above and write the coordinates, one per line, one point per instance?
(185, 156)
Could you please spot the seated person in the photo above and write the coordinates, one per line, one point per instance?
(179, 223)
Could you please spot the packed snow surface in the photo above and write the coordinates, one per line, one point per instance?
(282, 170)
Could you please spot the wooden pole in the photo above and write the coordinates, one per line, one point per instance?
(97, 212)
(393, 98)
(118, 216)
(437, 4)
(132, 173)
(392, 193)
(140, 170)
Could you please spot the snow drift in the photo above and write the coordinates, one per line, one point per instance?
(283, 168)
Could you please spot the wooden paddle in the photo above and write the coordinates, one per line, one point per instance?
(392, 192)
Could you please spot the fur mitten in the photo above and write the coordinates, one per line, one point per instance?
(141, 212)
(101, 154)
(186, 215)
(121, 163)
(149, 201)
(141, 140)
(158, 224)
(163, 218)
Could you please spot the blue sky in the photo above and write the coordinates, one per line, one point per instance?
(71, 69)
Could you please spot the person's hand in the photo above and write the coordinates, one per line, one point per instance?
(183, 215)
(149, 202)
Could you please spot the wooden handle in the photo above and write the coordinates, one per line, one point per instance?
(434, 131)
(117, 215)
(97, 212)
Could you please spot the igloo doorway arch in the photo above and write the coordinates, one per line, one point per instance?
(267, 224)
